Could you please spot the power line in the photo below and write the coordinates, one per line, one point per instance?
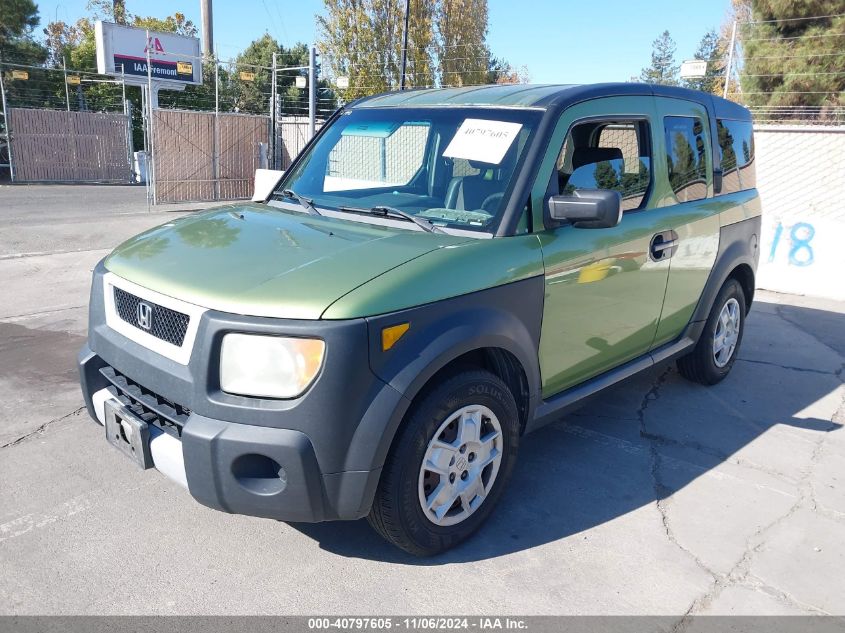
(814, 17)
(797, 37)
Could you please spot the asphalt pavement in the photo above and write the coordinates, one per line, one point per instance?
(663, 497)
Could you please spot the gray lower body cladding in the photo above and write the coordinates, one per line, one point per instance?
(312, 458)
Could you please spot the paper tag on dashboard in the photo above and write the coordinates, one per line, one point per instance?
(483, 140)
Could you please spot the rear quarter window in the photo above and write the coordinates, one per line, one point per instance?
(736, 144)
(686, 154)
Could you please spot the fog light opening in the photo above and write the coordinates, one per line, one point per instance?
(259, 474)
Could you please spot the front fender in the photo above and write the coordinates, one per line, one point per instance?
(506, 317)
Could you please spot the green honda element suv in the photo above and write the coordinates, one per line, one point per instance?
(438, 273)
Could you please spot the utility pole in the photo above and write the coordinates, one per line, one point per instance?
(730, 62)
(273, 113)
(312, 91)
(405, 45)
(207, 29)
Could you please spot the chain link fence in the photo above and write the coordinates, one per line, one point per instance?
(203, 142)
(60, 125)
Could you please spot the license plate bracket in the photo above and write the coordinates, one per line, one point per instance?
(128, 433)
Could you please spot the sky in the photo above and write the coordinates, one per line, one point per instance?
(559, 41)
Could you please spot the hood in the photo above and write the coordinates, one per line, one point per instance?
(265, 261)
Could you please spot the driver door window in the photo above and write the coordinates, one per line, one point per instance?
(610, 155)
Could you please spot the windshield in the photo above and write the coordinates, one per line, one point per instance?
(451, 167)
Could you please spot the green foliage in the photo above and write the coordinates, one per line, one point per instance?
(663, 69)
(254, 96)
(18, 18)
(711, 48)
(361, 38)
(606, 177)
(499, 71)
(462, 43)
(447, 45)
(635, 183)
(726, 141)
(791, 63)
(685, 163)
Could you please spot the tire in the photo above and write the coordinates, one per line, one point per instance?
(704, 365)
(456, 404)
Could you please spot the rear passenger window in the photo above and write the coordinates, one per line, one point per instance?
(736, 142)
(686, 153)
(612, 155)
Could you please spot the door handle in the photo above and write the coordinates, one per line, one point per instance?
(663, 245)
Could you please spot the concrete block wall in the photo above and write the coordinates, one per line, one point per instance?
(801, 180)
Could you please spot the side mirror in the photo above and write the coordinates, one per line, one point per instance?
(588, 208)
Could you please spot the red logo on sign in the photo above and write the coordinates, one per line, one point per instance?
(154, 45)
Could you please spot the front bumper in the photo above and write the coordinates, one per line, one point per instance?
(312, 458)
(239, 468)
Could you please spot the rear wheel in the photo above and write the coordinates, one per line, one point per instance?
(449, 464)
(715, 353)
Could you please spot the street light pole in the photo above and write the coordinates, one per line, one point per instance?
(405, 45)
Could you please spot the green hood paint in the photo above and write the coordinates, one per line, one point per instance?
(263, 261)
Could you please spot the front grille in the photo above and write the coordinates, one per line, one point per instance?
(147, 405)
(163, 323)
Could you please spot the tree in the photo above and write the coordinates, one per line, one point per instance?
(462, 42)
(793, 59)
(351, 32)
(420, 71)
(18, 19)
(713, 49)
(499, 71)
(663, 69)
(252, 96)
(362, 40)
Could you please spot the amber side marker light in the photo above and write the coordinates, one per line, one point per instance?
(390, 335)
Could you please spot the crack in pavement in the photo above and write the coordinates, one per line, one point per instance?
(740, 573)
(661, 491)
(790, 367)
(26, 315)
(662, 440)
(41, 428)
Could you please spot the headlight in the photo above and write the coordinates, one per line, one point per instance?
(269, 366)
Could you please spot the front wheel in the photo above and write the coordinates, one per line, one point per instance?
(715, 353)
(449, 464)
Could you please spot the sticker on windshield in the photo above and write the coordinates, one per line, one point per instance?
(483, 140)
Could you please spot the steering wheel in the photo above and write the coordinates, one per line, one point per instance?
(494, 197)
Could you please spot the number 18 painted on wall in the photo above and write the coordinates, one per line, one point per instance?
(800, 252)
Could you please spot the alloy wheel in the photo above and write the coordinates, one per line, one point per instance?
(460, 465)
(727, 332)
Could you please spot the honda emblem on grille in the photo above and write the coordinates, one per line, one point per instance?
(145, 315)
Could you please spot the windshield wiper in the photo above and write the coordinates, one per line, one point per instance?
(424, 223)
(304, 202)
